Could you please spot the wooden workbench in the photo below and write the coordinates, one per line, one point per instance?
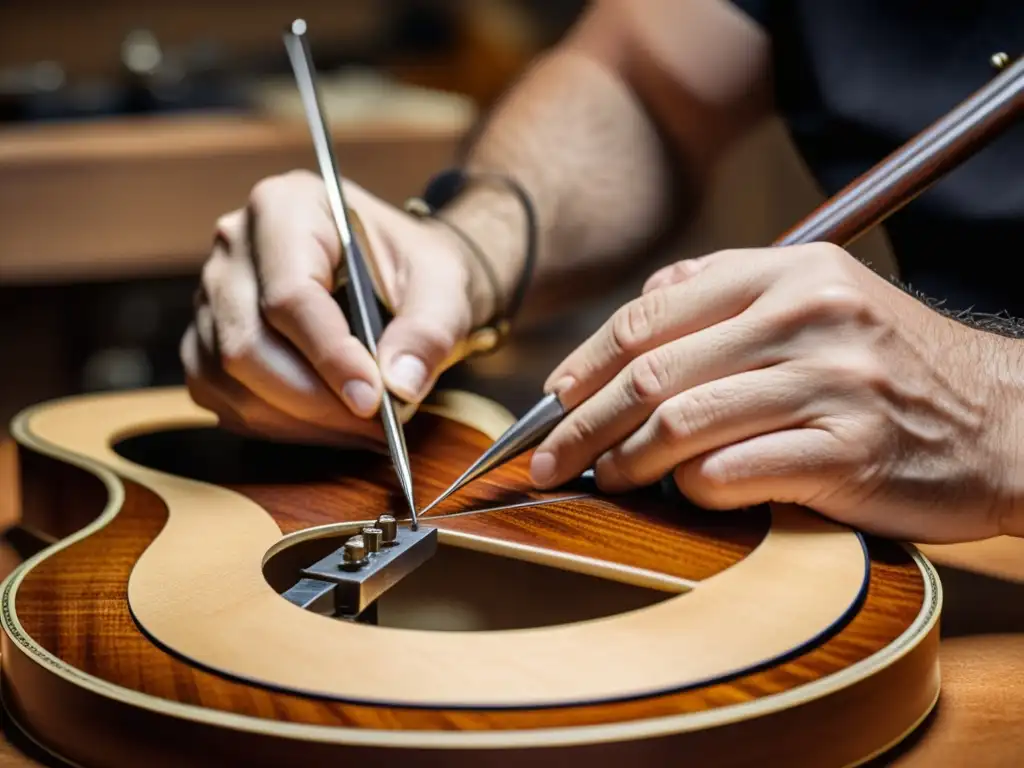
(139, 196)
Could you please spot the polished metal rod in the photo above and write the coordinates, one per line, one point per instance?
(367, 324)
(520, 437)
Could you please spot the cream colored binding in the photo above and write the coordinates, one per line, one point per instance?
(908, 694)
(215, 607)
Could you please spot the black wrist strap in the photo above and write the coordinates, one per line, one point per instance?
(449, 184)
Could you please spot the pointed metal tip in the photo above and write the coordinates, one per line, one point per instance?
(436, 501)
(414, 522)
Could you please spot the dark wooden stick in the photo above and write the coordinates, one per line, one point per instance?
(917, 165)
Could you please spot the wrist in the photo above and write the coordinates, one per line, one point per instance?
(495, 221)
(479, 286)
(1010, 514)
(1007, 422)
(481, 209)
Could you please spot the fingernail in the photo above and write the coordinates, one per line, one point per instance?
(563, 385)
(409, 373)
(542, 468)
(360, 397)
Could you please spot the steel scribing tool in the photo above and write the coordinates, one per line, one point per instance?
(366, 320)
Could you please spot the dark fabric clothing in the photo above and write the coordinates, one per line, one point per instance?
(855, 79)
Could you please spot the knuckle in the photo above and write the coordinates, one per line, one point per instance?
(829, 301)
(630, 471)
(828, 252)
(268, 190)
(210, 275)
(265, 191)
(437, 339)
(230, 227)
(634, 324)
(577, 431)
(280, 303)
(677, 421)
(834, 299)
(705, 484)
(814, 255)
(853, 368)
(235, 351)
(649, 377)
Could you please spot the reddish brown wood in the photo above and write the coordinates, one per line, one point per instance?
(678, 541)
(74, 604)
(354, 485)
(337, 484)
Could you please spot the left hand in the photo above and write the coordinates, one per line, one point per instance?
(794, 375)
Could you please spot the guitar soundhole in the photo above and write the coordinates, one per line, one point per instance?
(460, 589)
(220, 457)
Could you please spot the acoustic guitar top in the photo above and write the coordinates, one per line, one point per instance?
(208, 600)
(213, 600)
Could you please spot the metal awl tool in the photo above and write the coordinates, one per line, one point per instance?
(525, 434)
(894, 181)
(366, 321)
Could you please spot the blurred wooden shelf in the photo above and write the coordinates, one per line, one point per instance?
(133, 197)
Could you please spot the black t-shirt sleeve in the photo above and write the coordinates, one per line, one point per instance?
(755, 9)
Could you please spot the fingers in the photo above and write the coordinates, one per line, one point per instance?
(241, 411)
(708, 417)
(248, 352)
(795, 466)
(641, 387)
(675, 273)
(296, 250)
(428, 324)
(716, 293)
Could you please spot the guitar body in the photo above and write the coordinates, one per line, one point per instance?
(546, 628)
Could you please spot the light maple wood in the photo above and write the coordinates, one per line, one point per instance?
(807, 569)
(795, 579)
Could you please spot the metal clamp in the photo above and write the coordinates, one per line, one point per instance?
(350, 579)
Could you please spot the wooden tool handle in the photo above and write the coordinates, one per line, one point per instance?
(869, 199)
(917, 165)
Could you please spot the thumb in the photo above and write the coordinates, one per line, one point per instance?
(434, 315)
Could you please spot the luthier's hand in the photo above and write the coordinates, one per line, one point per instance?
(797, 375)
(269, 349)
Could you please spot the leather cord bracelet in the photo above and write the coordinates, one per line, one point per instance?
(441, 190)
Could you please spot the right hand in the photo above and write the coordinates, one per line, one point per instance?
(269, 350)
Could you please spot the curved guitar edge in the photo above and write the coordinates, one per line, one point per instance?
(106, 493)
(100, 723)
(89, 722)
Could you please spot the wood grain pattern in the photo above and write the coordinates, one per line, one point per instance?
(74, 604)
(80, 593)
(340, 485)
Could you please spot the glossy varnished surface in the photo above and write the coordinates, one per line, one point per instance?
(74, 605)
(807, 570)
(678, 539)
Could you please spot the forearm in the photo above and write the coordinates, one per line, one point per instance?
(612, 134)
(986, 366)
(601, 180)
(997, 354)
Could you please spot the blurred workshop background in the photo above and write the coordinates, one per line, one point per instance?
(126, 128)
